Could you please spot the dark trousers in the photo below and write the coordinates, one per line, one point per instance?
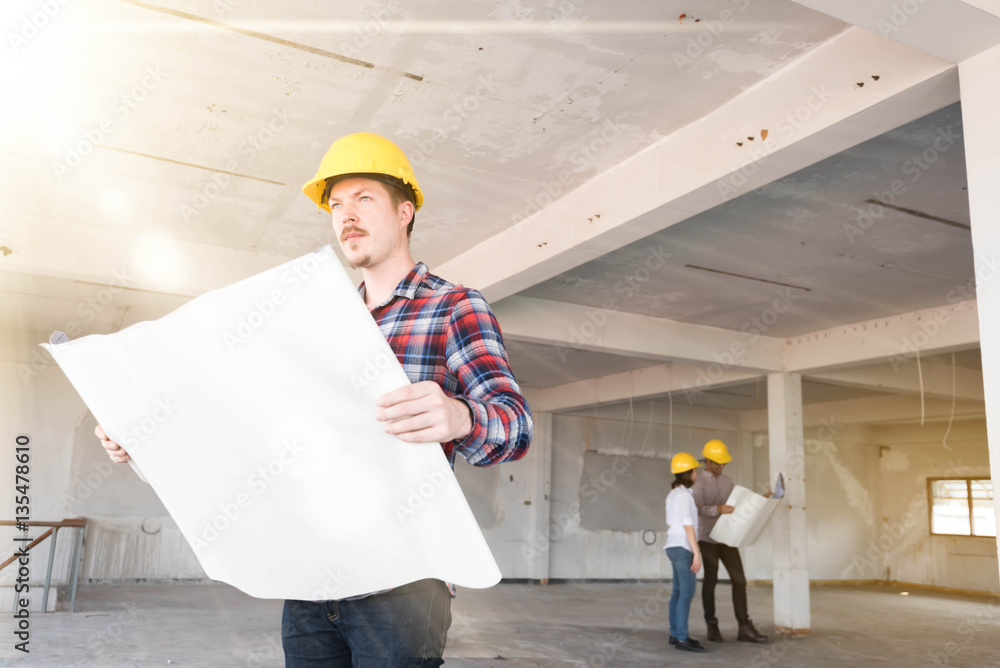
(711, 554)
(405, 627)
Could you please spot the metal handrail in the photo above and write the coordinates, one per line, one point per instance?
(75, 523)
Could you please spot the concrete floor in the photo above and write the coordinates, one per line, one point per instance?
(596, 625)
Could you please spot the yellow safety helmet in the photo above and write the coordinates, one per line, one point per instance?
(716, 451)
(683, 461)
(362, 153)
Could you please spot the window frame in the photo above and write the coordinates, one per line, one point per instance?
(968, 491)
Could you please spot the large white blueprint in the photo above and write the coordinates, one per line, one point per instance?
(751, 513)
(251, 412)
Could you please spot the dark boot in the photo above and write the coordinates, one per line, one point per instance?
(689, 645)
(714, 634)
(749, 633)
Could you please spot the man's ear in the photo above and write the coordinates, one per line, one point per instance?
(406, 212)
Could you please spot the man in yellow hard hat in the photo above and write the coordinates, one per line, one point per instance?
(711, 491)
(463, 395)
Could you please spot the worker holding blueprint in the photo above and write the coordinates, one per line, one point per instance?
(712, 492)
(462, 395)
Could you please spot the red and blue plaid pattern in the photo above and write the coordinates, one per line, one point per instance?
(448, 334)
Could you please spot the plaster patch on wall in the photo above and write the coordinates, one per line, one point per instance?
(904, 543)
(623, 492)
(894, 461)
(857, 496)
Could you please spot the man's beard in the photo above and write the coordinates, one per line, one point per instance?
(363, 263)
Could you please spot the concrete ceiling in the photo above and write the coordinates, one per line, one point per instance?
(729, 264)
(489, 109)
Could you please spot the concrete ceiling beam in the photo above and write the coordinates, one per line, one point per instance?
(888, 346)
(690, 379)
(898, 339)
(896, 408)
(934, 379)
(810, 110)
(894, 339)
(573, 327)
(949, 29)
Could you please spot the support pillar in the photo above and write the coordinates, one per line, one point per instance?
(788, 526)
(978, 78)
(743, 454)
(537, 547)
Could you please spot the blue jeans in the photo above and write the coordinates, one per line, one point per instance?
(405, 627)
(683, 591)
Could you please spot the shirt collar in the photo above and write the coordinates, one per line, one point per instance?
(405, 288)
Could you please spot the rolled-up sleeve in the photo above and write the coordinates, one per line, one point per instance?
(501, 419)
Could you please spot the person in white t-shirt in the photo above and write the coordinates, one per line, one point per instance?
(682, 548)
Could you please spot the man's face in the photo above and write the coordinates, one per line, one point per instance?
(369, 228)
(714, 468)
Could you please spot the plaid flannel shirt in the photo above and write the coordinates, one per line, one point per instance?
(448, 334)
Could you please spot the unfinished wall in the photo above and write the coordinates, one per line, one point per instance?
(604, 480)
(639, 444)
(129, 533)
(904, 549)
(501, 499)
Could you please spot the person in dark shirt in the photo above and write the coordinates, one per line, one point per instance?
(711, 491)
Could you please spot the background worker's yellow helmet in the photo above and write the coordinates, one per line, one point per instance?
(683, 461)
(362, 153)
(717, 452)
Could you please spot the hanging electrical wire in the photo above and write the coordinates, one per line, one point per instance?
(649, 426)
(951, 418)
(920, 376)
(670, 372)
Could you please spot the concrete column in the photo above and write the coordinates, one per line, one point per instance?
(540, 453)
(788, 526)
(742, 453)
(978, 78)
